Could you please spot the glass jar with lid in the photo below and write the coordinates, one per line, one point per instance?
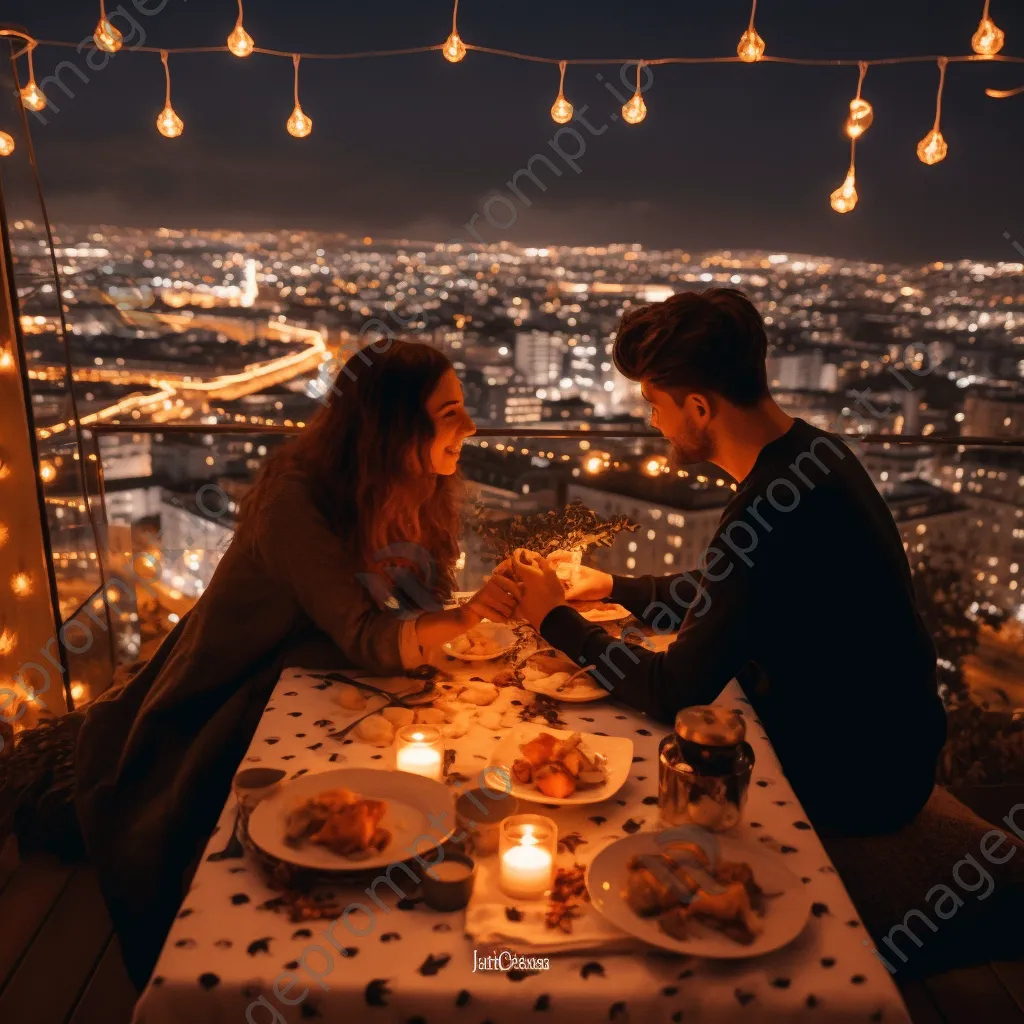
(704, 769)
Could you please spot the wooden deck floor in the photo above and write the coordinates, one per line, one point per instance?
(60, 962)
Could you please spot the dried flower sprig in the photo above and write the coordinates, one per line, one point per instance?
(572, 528)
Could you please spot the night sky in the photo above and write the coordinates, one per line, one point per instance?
(729, 156)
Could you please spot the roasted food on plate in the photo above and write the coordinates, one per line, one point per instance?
(559, 767)
(680, 888)
(345, 823)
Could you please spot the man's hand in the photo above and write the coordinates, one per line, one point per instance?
(542, 589)
(592, 585)
(495, 600)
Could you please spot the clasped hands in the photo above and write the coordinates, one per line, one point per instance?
(524, 586)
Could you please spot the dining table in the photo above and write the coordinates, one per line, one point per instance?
(237, 951)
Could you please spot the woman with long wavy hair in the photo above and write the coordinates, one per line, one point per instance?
(344, 554)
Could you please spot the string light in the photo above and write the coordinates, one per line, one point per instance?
(21, 584)
(634, 110)
(861, 112)
(561, 109)
(47, 472)
(932, 148)
(454, 48)
(988, 40)
(168, 124)
(1004, 94)
(106, 37)
(844, 199)
(751, 45)
(31, 95)
(240, 42)
(299, 124)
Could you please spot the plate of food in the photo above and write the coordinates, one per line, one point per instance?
(601, 611)
(553, 674)
(723, 898)
(556, 766)
(351, 819)
(483, 642)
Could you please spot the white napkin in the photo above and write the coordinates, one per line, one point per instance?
(489, 924)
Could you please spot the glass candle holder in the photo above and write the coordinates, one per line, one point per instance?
(420, 750)
(526, 856)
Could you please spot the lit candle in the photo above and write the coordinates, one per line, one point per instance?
(527, 858)
(420, 751)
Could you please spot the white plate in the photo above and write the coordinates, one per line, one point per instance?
(500, 634)
(785, 914)
(578, 693)
(610, 613)
(617, 749)
(410, 799)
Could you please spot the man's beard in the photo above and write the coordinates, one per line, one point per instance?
(693, 445)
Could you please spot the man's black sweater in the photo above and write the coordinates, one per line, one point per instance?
(805, 594)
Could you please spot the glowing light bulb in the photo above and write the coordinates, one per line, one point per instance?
(32, 96)
(106, 37)
(634, 110)
(168, 124)
(8, 641)
(240, 42)
(299, 124)
(6, 149)
(21, 584)
(6, 359)
(454, 48)
(861, 116)
(751, 46)
(47, 472)
(561, 110)
(989, 38)
(844, 199)
(932, 148)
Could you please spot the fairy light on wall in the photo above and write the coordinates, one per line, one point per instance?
(6, 144)
(634, 110)
(751, 46)
(21, 584)
(299, 124)
(988, 40)
(844, 199)
(168, 124)
(454, 48)
(861, 112)
(240, 42)
(932, 148)
(561, 109)
(106, 37)
(31, 95)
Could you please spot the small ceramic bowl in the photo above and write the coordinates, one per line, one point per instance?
(251, 785)
(480, 812)
(448, 884)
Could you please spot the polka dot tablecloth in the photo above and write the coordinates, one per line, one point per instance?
(231, 958)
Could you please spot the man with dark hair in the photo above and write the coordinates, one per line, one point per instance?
(804, 593)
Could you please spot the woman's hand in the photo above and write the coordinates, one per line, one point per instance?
(592, 585)
(495, 600)
(542, 589)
